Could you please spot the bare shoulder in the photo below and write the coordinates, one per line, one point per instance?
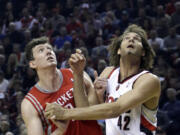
(105, 73)
(27, 110)
(86, 76)
(150, 77)
(150, 81)
(87, 79)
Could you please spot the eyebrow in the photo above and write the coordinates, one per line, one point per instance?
(39, 46)
(136, 35)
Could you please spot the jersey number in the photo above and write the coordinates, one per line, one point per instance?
(123, 122)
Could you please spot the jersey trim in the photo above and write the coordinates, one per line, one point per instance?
(129, 77)
(40, 111)
(147, 124)
(138, 77)
(111, 73)
(49, 91)
(148, 118)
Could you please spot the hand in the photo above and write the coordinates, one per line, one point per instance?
(77, 61)
(100, 85)
(62, 126)
(54, 111)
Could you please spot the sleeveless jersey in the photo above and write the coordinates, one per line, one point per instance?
(64, 97)
(129, 122)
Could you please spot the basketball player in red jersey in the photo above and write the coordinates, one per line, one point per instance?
(132, 91)
(56, 86)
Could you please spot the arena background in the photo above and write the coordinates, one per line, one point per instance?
(89, 25)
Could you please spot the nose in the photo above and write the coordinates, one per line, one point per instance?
(131, 40)
(48, 51)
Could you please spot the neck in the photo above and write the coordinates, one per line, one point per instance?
(49, 79)
(128, 67)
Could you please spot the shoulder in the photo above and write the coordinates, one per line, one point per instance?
(107, 71)
(27, 109)
(149, 80)
(150, 77)
(87, 80)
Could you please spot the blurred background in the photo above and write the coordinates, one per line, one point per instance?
(89, 25)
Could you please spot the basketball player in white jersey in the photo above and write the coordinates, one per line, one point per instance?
(132, 91)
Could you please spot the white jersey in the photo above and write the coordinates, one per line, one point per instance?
(127, 123)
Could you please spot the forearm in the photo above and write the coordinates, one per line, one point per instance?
(100, 97)
(96, 112)
(80, 97)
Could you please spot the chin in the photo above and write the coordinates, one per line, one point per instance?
(130, 53)
(52, 65)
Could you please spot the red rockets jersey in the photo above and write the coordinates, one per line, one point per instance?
(64, 97)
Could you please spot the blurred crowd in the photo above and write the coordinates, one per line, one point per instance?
(89, 25)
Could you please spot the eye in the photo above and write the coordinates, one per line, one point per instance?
(126, 38)
(137, 38)
(50, 48)
(41, 49)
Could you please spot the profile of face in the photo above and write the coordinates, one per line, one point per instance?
(172, 31)
(44, 57)
(171, 94)
(153, 34)
(131, 45)
(25, 12)
(63, 31)
(101, 65)
(9, 6)
(177, 5)
(99, 41)
(4, 126)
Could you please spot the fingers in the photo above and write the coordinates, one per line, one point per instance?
(95, 74)
(78, 56)
(50, 106)
(62, 124)
(53, 117)
(78, 51)
(50, 110)
(100, 83)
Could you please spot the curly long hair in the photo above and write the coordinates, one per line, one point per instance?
(146, 61)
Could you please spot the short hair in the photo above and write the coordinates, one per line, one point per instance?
(146, 61)
(32, 44)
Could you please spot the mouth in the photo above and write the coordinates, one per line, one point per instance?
(50, 58)
(130, 46)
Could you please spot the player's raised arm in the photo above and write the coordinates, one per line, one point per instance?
(77, 63)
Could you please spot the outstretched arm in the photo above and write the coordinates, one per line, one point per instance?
(146, 88)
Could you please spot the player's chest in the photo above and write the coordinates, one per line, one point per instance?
(115, 89)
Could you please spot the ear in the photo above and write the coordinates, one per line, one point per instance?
(119, 51)
(32, 64)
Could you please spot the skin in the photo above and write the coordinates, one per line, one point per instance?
(45, 64)
(146, 89)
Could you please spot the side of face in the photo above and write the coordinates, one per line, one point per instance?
(131, 45)
(44, 57)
